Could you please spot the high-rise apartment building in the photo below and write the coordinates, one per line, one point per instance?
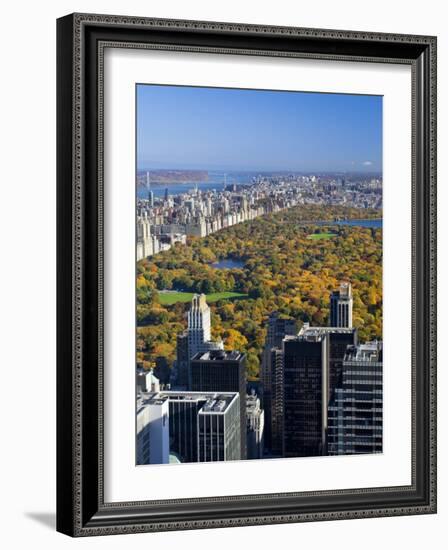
(223, 371)
(146, 244)
(306, 380)
(341, 306)
(191, 426)
(355, 414)
(219, 426)
(153, 445)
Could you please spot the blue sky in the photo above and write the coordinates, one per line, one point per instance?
(229, 129)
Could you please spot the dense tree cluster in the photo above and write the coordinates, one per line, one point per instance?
(283, 270)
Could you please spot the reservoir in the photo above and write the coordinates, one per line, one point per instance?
(228, 263)
(375, 223)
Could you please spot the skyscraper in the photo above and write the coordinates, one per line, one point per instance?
(198, 324)
(277, 328)
(341, 306)
(305, 375)
(223, 371)
(184, 408)
(194, 340)
(340, 339)
(276, 402)
(355, 419)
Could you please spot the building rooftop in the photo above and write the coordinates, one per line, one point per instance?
(149, 398)
(218, 355)
(312, 331)
(199, 303)
(311, 335)
(344, 291)
(216, 405)
(212, 402)
(371, 352)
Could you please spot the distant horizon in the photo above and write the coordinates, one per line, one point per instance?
(227, 129)
(229, 170)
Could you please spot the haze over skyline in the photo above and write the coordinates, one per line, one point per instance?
(230, 129)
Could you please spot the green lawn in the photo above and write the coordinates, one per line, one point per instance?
(319, 236)
(170, 298)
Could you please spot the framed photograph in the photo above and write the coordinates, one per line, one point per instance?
(246, 274)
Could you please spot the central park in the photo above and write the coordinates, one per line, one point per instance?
(280, 262)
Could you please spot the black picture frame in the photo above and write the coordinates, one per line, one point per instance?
(81, 510)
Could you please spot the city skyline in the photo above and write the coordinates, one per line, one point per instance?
(257, 130)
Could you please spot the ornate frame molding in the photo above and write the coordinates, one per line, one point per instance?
(81, 42)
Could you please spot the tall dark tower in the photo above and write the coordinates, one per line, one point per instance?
(223, 371)
(271, 377)
(339, 340)
(341, 306)
(305, 375)
(166, 194)
(276, 402)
